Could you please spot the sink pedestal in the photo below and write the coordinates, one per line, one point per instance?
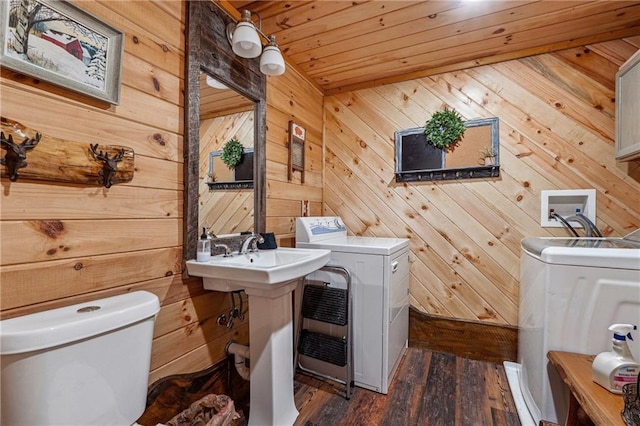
(268, 277)
(271, 356)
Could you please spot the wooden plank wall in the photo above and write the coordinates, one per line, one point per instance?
(556, 116)
(66, 244)
(224, 211)
(292, 97)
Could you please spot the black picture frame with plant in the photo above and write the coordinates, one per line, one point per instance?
(232, 153)
(444, 128)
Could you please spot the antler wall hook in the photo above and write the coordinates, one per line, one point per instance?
(16, 157)
(109, 165)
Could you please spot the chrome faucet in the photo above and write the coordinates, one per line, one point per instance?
(227, 250)
(251, 243)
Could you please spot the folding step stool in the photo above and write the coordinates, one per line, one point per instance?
(325, 329)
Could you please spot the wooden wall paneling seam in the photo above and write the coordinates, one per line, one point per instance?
(441, 50)
(525, 146)
(69, 202)
(432, 68)
(366, 131)
(96, 125)
(198, 309)
(168, 289)
(139, 42)
(314, 18)
(418, 204)
(278, 172)
(354, 211)
(174, 8)
(614, 51)
(297, 107)
(554, 144)
(175, 343)
(283, 93)
(595, 116)
(290, 191)
(156, 173)
(539, 136)
(375, 23)
(451, 96)
(433, 296)
(56, 239)
(201, 357)
(592, 64)
(570, 82)
(462, 260)
(452, 265)
(38, 282)
(283, 208)
(364, 99)
(164, 115)
(420, 21)
(147, 78)
(150, 19)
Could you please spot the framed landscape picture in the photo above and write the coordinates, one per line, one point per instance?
(62, 44)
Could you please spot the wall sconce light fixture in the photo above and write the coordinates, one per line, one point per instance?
(244, 39)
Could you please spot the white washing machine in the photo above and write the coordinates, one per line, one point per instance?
(571, 291)
(379, 269)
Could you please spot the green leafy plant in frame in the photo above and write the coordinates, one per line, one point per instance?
(232, 153)
(444, 128)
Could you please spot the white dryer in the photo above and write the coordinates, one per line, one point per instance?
(571, 291)
(379, 269)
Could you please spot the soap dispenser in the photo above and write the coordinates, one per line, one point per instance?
(614, 369)
(203, 253)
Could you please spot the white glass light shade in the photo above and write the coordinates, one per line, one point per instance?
(212, 82)
(245, 41)
(272, 62)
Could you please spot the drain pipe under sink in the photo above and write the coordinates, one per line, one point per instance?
(240, 355)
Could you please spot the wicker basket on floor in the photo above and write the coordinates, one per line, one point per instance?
(631, 411)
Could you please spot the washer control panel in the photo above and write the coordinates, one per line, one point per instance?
(312, 229)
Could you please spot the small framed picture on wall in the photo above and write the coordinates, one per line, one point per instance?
(297, 136)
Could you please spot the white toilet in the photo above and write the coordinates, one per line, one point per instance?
(86, 364)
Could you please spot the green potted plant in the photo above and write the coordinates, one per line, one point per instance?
(444, 128)
(232, 153)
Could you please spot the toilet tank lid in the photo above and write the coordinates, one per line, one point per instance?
(56, 327)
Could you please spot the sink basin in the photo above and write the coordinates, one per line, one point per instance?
(265, 268)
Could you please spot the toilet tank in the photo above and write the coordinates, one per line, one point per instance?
(86, 364)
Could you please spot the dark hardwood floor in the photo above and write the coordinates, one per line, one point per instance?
(429, 388)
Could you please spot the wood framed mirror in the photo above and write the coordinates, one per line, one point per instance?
(209, 55)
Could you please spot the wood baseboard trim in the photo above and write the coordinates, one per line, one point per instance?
(464, 338)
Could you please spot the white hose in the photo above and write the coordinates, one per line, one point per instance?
(240, 355)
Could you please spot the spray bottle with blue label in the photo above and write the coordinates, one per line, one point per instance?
(614, 369)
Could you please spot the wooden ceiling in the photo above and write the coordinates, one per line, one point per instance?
(346, 45)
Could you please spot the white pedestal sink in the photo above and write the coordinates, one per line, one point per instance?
(268, 277)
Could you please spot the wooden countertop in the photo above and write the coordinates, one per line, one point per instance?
(602, 406)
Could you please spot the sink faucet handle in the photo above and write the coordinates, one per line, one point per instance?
(227, 250)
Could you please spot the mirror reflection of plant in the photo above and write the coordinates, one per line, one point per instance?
(232, 153)
(444, 128)
(487, 151)
(488, 156)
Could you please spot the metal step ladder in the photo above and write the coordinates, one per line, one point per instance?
(325, 338)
